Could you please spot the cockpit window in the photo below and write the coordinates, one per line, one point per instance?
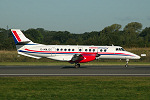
(123, 49)
(116, 49)
(120, 49)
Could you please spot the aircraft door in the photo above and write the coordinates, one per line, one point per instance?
(53, 51)
(98, 50)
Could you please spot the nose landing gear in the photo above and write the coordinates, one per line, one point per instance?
(127, 60)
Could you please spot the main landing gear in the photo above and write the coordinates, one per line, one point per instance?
(127, 60)
(77, 65)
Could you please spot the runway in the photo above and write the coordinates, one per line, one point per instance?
(92, 70)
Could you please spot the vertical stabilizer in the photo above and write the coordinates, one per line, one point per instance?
(19, 37)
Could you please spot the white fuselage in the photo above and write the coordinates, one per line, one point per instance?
(66, 52)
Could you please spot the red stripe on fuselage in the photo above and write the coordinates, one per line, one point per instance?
(60, 52)
(79, 52)
(38, 51)
(17, 36)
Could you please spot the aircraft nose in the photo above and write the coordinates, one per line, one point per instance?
(137, 57)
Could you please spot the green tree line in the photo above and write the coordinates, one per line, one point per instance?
(132, 35)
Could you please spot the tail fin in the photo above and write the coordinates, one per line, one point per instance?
(22, 42)
(19, 37)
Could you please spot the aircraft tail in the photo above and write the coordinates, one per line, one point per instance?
(19, 37)
(22, 43)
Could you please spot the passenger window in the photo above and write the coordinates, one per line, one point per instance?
(72, 49)
(65, 49)
(86, 50)
(80, 49)
(61, 49)
(93, 50)
(57, 49)
(101, 50)
(89, 50)
(105, 50)
(68, 49)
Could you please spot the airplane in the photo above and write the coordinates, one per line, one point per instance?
(70, 53)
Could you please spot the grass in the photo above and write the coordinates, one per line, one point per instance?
(75, 88)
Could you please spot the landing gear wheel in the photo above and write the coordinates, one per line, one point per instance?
(126, 65)
(77, 65)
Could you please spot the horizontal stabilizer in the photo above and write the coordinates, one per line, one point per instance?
(28, 55)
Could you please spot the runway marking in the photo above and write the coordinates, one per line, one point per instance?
(74, 74)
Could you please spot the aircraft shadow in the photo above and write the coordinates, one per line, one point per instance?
(70, 67)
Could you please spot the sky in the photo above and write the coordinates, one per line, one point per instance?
(75, 16)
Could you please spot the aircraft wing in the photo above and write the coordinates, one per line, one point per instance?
(85, 57)
(77, 57)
